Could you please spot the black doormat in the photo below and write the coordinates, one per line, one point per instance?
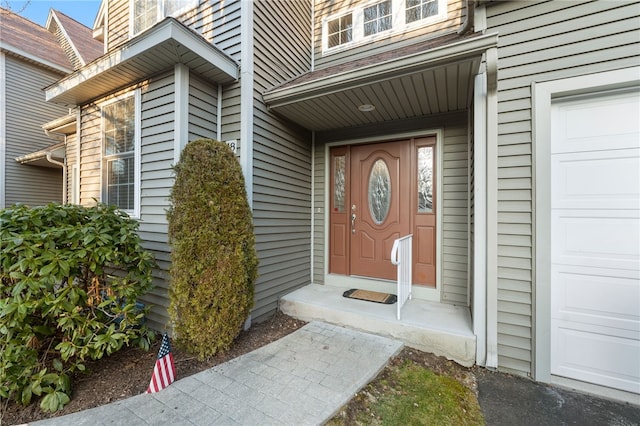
(371, 296)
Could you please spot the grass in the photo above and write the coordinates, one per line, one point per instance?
(410, 394)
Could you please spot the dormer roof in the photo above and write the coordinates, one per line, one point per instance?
(79, 37)
(28, 40)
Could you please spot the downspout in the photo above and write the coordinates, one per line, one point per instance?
(468, 20)
(64, 173)
(54, 135)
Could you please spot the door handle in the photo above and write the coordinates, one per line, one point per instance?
(353, 223)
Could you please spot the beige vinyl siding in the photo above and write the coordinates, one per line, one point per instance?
(455, 213)
(26, 112)
(324, 8)
(67, 47)
(156, 181)
(219, 23)
(90, 154)
(320, 210)
(203, 109)
(118, 23)
(454, 257)
(282, 156)
(540, 41)
(71, 154)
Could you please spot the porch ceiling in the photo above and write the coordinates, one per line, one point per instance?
(412, 82)
(156, 50)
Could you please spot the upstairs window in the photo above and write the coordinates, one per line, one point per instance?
(420, 9)
(146, 13)
(371, 21)
(340, 30)
(121, 153)
(377, 18)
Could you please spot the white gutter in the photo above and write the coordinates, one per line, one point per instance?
(468, 20)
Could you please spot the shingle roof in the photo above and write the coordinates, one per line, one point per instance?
(30, 38)
(81, 37)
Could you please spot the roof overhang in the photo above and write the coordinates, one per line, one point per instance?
(61, 126)
(433, 81)
(51, 156)
(156, 50)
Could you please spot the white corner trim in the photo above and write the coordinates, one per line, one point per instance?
(246, 96)
(181, 110)
(76, 188)
(313, 201)
(137, 155)
(480, 217)
(219, 115)
(543, 94)
(3, 127)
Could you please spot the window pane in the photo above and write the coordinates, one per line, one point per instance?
(425, 179)
(119, 127)
(172, 7)
(120, 182)
(339, 31)
(339, 172)
(420, 9)
(377, 18)
(379, 191)
(119, 145)
(145, 14)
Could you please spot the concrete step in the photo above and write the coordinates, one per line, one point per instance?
(443, 329)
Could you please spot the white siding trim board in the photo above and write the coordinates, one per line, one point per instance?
(181, 117)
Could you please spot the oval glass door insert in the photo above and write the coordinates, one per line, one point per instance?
(379, 191)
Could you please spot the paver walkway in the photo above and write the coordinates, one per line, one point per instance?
(301, 379)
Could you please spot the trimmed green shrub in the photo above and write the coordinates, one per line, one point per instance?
(69, 280)
(213, 261)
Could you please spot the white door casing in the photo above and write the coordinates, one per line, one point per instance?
(595, 239)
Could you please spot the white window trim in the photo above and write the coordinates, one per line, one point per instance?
(398, 9)
(161, 14)
(135, 213)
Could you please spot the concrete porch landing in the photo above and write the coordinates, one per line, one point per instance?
(439, 328)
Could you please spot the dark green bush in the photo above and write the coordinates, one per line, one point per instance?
(69, 280)
(213, 263)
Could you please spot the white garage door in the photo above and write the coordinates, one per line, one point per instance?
(595, 239)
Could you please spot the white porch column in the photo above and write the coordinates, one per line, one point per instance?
(246, 96)
(181, 119)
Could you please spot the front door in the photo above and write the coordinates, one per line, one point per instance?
(381, 192)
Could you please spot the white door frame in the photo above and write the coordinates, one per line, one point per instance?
(543, 95)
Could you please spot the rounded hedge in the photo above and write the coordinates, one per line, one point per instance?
(213, 261)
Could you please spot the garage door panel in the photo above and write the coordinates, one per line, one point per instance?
(584, 124)
(597, 180)
(597, 358)
(595, 239)
(601, 303)
(606, 239)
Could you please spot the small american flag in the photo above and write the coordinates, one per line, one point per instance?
(164, 372)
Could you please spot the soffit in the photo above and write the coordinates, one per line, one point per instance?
(156, 50)
(434, 77)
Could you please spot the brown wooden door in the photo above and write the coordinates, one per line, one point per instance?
(379, 184)
(378, 194)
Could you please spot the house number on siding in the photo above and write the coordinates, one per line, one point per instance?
(233, 144)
